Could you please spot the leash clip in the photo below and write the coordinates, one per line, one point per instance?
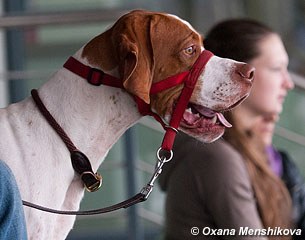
(163, 156)
(146, 191)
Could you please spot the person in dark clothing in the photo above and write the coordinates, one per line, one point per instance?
(240, 181)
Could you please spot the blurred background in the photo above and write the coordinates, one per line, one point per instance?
(37, 36)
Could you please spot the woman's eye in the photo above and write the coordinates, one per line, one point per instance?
(276, 69)
(190, 50)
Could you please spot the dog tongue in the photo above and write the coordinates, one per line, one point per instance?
(209, 113)
(224, 121)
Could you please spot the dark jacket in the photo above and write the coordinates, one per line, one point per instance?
(296, 187)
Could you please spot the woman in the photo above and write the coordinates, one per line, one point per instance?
(235, 183)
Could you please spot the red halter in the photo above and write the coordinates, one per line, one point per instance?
(189, 78)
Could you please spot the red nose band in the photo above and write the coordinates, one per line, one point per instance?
(189, 84)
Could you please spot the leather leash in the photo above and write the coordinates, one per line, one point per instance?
(81, 163)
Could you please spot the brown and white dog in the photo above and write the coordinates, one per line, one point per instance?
(141, 48)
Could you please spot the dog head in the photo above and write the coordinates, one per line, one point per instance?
(147, 47)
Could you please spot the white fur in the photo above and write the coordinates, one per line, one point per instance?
(40, 160)
(218, 93)
(183, 21)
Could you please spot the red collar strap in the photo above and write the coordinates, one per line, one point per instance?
(189, 78)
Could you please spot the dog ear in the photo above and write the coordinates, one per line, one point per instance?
(100, 53)
(127, 45)
(136, 68)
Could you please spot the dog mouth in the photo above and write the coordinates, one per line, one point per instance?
(200, 117)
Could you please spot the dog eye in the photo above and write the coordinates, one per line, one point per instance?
(190, 50)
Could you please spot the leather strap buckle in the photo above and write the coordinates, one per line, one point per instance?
(81, 164)
(95, 76)
(92, 182)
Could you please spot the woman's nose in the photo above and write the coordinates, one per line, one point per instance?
(288, 83)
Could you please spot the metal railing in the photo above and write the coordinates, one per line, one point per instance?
(59, 18)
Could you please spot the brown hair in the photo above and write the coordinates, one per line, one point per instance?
(239, 39)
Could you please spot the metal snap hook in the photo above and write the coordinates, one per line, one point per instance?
(164, 155)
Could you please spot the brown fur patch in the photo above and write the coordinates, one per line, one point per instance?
(146, 47)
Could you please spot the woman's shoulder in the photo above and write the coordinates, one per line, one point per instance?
(218, 154)
(220, 149)
(215, 164)
(204, 160)
(220, 166)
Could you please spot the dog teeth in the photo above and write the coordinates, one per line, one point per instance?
(189, 110)
(214, 119)
(197, 115)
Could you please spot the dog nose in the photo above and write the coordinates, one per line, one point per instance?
(246, 71)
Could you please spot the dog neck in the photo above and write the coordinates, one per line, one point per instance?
(93, 117)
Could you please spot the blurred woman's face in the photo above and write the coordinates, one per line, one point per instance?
(272, 80)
